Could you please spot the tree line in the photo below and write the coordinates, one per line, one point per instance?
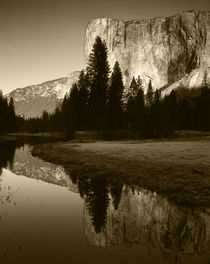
(98, 101)
(7, 115)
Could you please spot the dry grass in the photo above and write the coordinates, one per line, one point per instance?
(179, 170)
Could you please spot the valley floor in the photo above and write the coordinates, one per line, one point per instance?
(177, 169)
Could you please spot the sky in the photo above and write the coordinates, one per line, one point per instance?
(41, 40)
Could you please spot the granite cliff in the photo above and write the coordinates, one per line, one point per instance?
(169, 50)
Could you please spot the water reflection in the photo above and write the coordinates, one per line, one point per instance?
(25, 164)
(119, 213)
(7, 152)
(116, 214)
(145, 218)
(97, 192)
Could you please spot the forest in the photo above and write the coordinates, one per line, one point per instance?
(98, 101)
(8, 119)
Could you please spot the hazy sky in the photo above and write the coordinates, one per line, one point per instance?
(43, 40)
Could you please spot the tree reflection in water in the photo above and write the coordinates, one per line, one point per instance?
(118, 212)
(97, 192)
(123, 213)
(7, 153)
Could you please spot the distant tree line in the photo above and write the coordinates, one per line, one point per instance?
(98, 102)
(7, 115)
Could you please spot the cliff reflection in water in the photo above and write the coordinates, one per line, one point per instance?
(17, 158)
(119, 214)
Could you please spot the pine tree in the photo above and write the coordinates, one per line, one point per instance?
(157, 116)
(69, 112)
(135, 105)
(45, 121)
(157, 97)
(115, 93)
(140, 105)
(133, 90)
(149, 128)
(149, 95)
(73, 109)
(172, 109)
(57, 121)
(203, 108)
(7, 115)
(65, 113)
(98, 72)
(11, 117)
(83, 86)
(131, 97)
(2, 124)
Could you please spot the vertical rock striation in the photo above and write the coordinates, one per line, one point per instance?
(144, 218)
(163, 49)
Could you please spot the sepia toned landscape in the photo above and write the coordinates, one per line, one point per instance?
(105, 132)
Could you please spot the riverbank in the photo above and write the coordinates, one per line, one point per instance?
(177, 169)
(31, 138)
(6, 138)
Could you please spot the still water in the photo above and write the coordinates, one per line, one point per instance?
(47, 215)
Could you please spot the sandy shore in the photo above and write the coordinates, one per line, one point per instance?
(179, 170)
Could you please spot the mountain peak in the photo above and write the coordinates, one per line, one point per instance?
(32, 100)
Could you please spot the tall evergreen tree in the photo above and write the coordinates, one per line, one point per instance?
(98, 72)
(45, 121)
(135, 104)
(203, 108)
(56, 120)
(133, 90)
(83, 86)
(70, 111)
(2, 113)
(73, 105)
(11, 117)
(115, 93)
(7, 115)
(149, 94)
(172, 109)
(131, 97)
(157, 117)
(150, 126)
(140, 106)
(65, 113)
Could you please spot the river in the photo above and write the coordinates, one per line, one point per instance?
(47, 215)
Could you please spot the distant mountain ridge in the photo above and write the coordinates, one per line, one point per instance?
(32, 100)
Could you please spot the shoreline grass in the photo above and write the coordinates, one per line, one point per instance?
(177, 169)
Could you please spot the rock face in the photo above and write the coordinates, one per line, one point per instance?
(32, 100)
(144, 218)
(163, 49)
(172, 52)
